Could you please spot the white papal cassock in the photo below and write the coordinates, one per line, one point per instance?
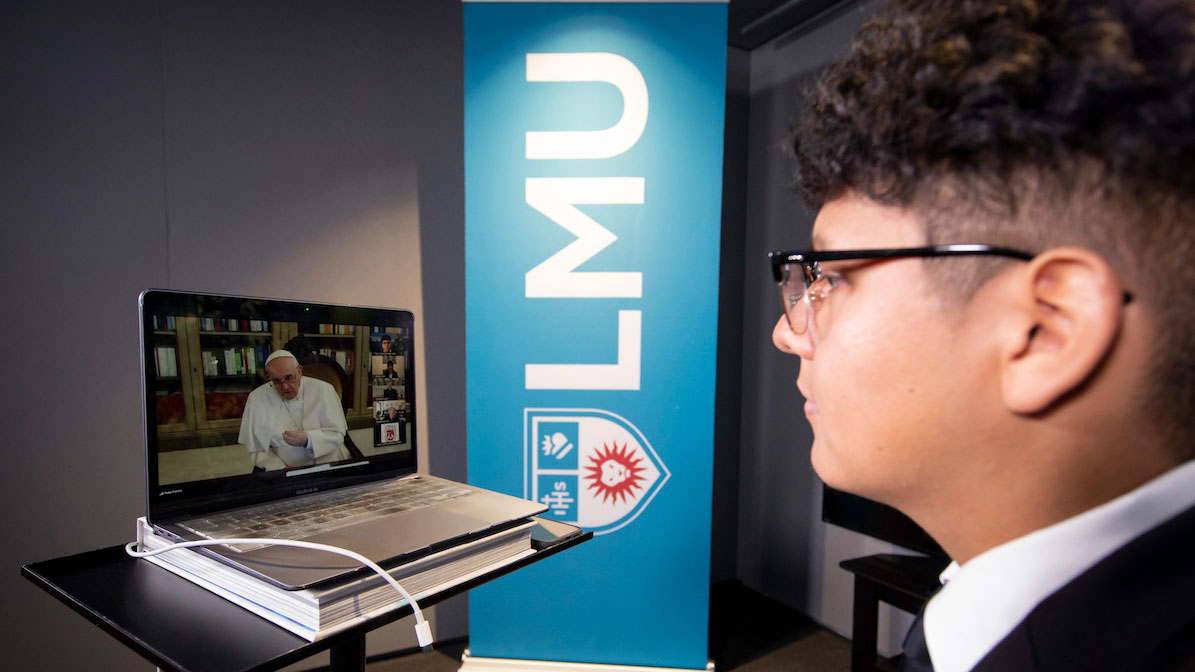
(315, 409)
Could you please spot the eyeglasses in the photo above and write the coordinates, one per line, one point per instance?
(288, 379)
(804, 287)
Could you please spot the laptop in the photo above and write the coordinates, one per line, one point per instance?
(220, 435)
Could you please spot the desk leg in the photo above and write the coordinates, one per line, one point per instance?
(864, 628)
(348, 656)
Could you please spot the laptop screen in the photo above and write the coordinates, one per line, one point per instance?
(249, 399)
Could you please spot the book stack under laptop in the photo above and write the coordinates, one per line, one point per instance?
(315, 613)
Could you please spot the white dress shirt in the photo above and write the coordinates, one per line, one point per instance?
(992, 593)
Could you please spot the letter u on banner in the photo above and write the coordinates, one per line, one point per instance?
(593, 181)
(603, 144)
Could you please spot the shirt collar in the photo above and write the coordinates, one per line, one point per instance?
(987, 597)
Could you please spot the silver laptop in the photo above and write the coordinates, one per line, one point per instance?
(320, 447)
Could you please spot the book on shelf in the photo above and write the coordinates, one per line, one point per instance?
(234, 361)
(166, 360)
(232, 324)
(342, 357)
(317, 612)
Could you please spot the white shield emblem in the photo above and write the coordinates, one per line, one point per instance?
(591, 467)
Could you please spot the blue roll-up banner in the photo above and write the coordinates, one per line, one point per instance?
(593, 184)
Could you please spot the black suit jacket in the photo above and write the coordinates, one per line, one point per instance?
(1134, 610)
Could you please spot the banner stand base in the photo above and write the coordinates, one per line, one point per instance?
(474, 664)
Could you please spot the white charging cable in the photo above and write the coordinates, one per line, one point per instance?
(423, 629)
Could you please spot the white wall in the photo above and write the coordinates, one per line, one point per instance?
(307, 150)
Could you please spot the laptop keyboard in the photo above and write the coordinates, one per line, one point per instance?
(323, 512)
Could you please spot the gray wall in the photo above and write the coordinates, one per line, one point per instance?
(784, 550)
(729, 376)
(305, 150)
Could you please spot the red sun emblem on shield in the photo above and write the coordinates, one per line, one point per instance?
(613, 472)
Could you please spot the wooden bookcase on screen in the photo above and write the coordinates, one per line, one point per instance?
(345, 348)
(207, 368)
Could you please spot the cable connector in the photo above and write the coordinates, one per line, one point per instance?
(423, 632)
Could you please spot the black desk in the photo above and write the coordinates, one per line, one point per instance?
(904, 581)
(179, 626)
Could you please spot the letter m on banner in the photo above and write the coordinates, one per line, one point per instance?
(557, 199)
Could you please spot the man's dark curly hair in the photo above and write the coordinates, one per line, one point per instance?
(1031, 124)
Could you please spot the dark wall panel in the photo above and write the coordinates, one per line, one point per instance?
(289, 149)
(81, 203)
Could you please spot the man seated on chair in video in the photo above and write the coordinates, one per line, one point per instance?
(996, 320)
(292, 421)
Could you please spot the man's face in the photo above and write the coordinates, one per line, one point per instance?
(882, 382)
(284, 375)
(386, 346)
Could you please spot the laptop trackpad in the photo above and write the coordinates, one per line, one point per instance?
(385, 538)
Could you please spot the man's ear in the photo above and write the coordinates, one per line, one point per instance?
(1070, 305)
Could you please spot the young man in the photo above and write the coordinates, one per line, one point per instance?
(996, 322)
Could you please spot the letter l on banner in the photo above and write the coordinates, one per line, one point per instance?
(593, 183)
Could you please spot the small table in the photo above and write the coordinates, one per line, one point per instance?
(174, 623)
(904, 581)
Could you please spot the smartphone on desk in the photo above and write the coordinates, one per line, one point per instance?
(548, 533)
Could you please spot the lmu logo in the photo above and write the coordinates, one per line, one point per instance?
(591, 467)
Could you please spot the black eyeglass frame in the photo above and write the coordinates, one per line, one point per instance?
(810, 261)
(809, 257)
